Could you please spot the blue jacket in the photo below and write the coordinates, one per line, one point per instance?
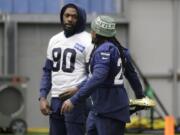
(106, 85)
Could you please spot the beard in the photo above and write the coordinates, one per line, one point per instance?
(69, 30)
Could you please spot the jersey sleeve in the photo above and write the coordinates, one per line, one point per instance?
(45, 82)
(49, 50)
(87, 41)
(88, 52)
(101, 61)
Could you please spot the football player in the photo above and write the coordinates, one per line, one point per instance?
(65, 66)
(109, 63)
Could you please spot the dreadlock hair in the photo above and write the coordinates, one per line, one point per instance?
(121, 50)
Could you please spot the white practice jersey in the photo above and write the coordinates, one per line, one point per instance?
(69, 56)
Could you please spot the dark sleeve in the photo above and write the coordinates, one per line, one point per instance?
(45, 84)
(132, 77)
(100, 73)
(82, 83)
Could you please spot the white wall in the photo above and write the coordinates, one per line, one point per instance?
(1, 44)
(151, 44)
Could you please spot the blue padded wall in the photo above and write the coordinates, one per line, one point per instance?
(6, 6)
(21, 6)
(85, 4)
(52, 6)
(36, 6)
(70, 1)
(109, 6)
(96, 6)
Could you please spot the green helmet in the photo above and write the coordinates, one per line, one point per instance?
(104, 26)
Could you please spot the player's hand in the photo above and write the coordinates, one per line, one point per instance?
(44, 106)
(67, 106)
(68, 93)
